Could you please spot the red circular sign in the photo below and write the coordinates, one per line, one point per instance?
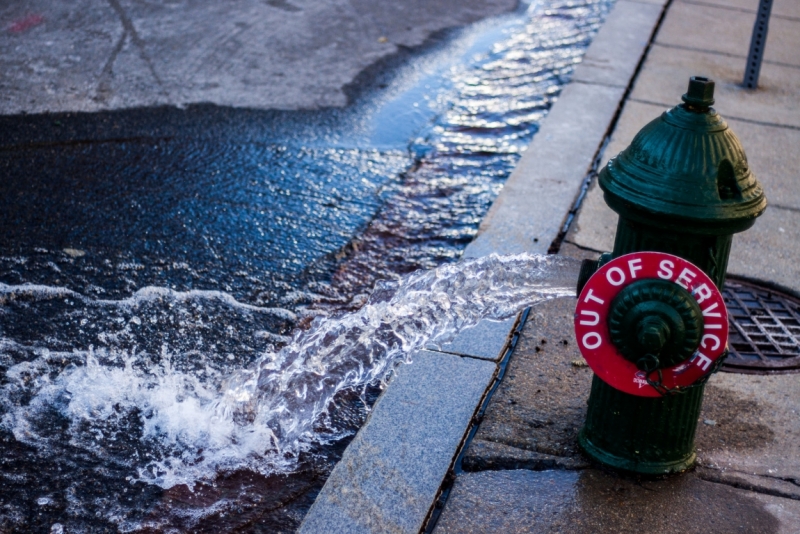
(591, 327)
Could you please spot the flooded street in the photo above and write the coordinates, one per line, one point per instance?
(148, 255)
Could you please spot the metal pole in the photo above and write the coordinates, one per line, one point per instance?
(757, 44)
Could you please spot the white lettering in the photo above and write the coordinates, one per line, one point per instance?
(701, 293)
(620, 279)
(590, 296)
(713, 327)
(596, 336)
(635, 265)
(685, 278)
(707, 311)
(717, 342)
(590, 314)
(703, 361)
(665, 270)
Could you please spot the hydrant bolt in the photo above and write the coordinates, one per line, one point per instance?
(653, 333)
(700, 95)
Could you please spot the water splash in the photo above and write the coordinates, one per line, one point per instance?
(192, 420)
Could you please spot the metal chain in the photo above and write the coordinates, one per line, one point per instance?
(666, 391)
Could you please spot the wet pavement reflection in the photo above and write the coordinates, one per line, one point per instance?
(594, 501)
(247, 223)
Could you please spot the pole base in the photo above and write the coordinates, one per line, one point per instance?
(633, 465)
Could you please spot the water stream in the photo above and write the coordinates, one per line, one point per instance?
(169, 413)
(206, 420)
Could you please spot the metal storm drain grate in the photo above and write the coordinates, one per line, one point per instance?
(764, 329)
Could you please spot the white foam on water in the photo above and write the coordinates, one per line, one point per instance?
(193, 418)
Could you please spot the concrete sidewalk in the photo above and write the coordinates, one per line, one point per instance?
(766, 120)
(523, 471)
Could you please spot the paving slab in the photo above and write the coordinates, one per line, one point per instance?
(617, 47)
(747, 437)
(700, 27)
(774, 158)
(634, 116)
(747, 443)
(771, 150)
(391, 472)
(487, 340)
(541, 403)
(756, 426)
(287, 54)
(596, 224)
(766, 252)
(667, 71)
(593, 501)
(770, 250)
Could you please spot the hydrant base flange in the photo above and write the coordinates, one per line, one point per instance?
(634, 466)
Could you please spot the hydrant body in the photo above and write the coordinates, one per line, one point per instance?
(682, 187)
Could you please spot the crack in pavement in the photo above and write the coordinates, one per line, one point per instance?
(707, 474)
(104, 84)
(129, 28)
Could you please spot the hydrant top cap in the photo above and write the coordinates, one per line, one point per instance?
(686, 170)
(700, 93)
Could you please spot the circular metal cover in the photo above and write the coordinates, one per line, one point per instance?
(764, 329)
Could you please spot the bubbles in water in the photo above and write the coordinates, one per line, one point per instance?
(178, 416)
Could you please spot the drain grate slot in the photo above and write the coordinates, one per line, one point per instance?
(764, 329)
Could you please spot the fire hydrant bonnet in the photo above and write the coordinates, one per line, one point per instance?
(685, 168)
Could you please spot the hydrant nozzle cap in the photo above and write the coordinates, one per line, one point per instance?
(700, 93)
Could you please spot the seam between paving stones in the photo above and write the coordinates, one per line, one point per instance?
(728, 117)
(514, 465)
(455, 467)
(706, 473)
(583, 247)
(569, 218)
(461, 355)
(339, 516)
(725, 54)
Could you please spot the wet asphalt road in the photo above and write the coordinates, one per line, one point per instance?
(216, 211)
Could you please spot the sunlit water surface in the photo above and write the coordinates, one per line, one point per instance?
(163, 389)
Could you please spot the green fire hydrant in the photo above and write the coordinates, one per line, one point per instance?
(683, 187)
